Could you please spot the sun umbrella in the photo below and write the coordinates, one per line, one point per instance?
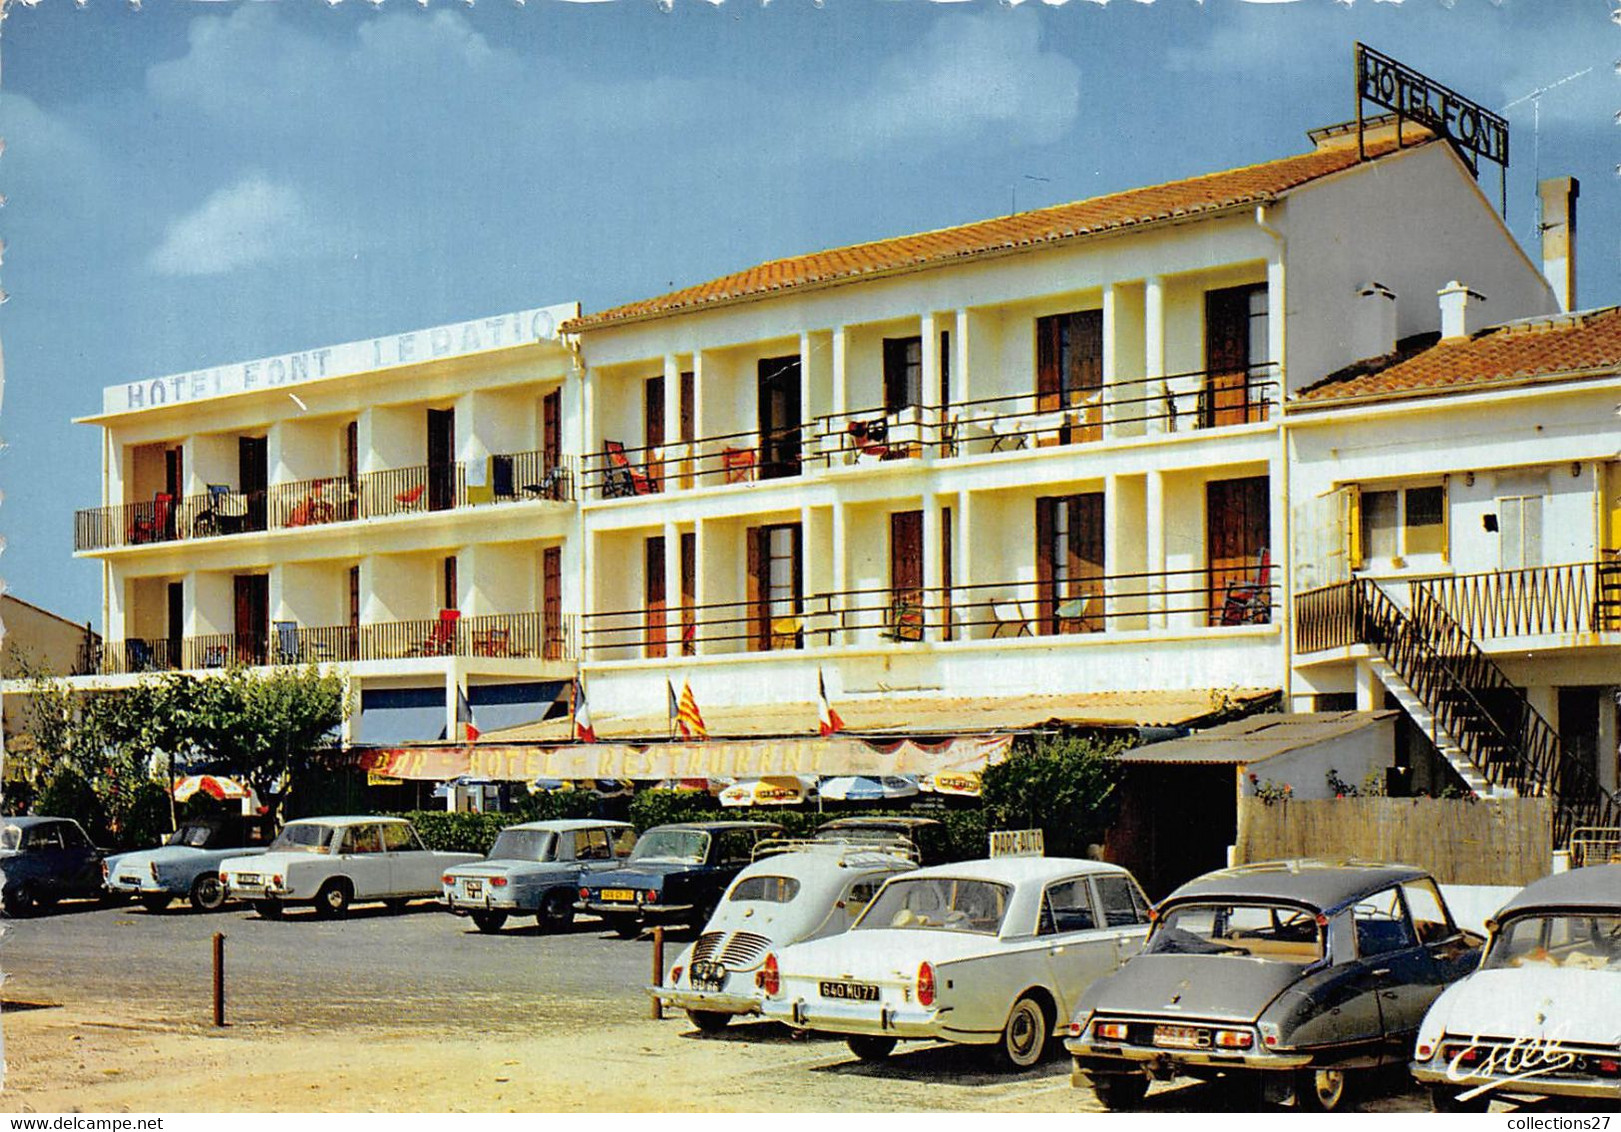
(708, 785)
(961, 782)
(218, 787)
(601, 787)
(867, 788)
(765, 792)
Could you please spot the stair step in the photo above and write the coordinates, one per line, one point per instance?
(1445, 744)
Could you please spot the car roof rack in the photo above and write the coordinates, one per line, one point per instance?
(855, 850)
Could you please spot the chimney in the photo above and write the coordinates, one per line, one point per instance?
(1373, 322)
(1558, 196)
(1461, 311)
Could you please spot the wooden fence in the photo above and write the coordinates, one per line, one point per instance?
(1506, 842)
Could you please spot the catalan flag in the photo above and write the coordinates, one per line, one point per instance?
(688, 717)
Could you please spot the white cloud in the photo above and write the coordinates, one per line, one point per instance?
(252, 222)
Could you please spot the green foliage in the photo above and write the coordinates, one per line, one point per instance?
(145, 821)
(556, 805)
(68, 794)
(459, 832)
(1062, 785)
(661, 807)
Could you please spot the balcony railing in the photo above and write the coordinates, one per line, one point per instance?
(1575, 598)
(509, 478)
(1114, 603)
(1179, 402)
(523, 635)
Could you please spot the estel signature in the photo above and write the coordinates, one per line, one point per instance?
(1522, 1058)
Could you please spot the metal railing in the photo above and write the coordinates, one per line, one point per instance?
(313, 503)
(1194, 598)
(138, 654)
(222, 650)
(1580, 597)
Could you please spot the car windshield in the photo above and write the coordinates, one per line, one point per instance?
(687, 846)
(523, 845)
(765, 890)
(943, 903)
(1579, 940)
(303, 839)
(11, 836)
(1266, 931)
(194, 836)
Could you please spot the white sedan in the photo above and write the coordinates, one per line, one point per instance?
(333, 862)
(993, 953)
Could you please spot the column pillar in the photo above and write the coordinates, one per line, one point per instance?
(961, 376)
(1155, 526)
(701, 595)
(672, 591)
(672, 454)
(841, 582)
(1154, 356)
(1370, 691)
(933, 572)
(964, 602)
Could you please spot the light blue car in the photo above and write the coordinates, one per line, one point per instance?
(534, 869)
(187, 865)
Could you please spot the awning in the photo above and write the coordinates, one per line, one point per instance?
(734, 758)
(1255, 739)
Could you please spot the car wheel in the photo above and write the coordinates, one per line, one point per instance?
(709, 1021)
(154, 901)
(1322, 1090)
(1444, 1098)
(870, 1047)
(556, 913)
(1120, 1092)
(16, 902)
(333, 899)
(625, 927)
(268, 909)
(207, 893)
(1024, 1038)
(489, 921)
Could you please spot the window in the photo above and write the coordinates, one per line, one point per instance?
(1122, 905)
(1381, 925)
(399, 838)
(861, 894)
(775, 576)
(361, 839)
(1070, 563)
(766, 890)
(1400, 522)
(940, 903)
(523, 845)
(45, 837)
(623, 842)
(736, 847)
(1236, 346)
(1519, 524)
(1067, 908)
(1069, 370)
(592, 845)
(903, 373)
(1428, 913)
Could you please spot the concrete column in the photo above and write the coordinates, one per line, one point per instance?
(964, 602)
(1276, 322)
(961, 377)
(841, 582)
(1111, 357)
(1154, 525)
(672, 422)
(1114, 550)
(841, 376)
(701, 594)
(935, 412)
(455, 683)
(1370, 690)
(806, 416)
(1154, 351)
(933, 574)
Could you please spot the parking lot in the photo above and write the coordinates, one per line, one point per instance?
(421, 1011)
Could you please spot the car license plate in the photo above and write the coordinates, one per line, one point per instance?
(707, 976)
(133, 882)
(624, 894)
(858, 992)
(1180, 1037)
(247, 878)
(473, 887)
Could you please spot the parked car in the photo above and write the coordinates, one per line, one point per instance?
(333, 862)
(676, 874)
(43, 860)
(804, 890)
(1542, 1015)
(927, 836)
(992, 953)
(1302, 972)
(534, 869)
(187, 864)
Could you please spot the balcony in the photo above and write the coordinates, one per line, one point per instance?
(508, 478)
(529, 635)
(1175, 403)
(1196, 599)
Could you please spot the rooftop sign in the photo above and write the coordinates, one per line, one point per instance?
(1468, 125)
(286, 370)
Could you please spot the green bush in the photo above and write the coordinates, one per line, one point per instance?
(146, 821)
(69, 795)
(458, 833)
(1062, 785)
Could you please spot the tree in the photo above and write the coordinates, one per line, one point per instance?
(1062, 785)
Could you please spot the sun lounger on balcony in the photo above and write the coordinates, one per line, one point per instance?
(621, 478)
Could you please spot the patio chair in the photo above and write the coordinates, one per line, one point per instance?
(1009, 614)
(623, 478)
(1249, 601)
(442, 640)
(869, 439)
(411, 496)
(286, 633)
(492, 642)
(737, 464)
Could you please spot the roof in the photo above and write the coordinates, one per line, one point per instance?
(1256, 738)
(345, 819)
(1184, 199)
(23, 822)
(1017, 870)
(568, 825)
(1557, 346)
(1595, 886)
(804, 862)
(915, 715)
(718, 826)
(1323, 885)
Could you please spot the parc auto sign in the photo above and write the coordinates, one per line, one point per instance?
(291, 370)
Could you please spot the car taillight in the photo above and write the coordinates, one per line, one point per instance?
(652, 896)
(770, 977)
(585, 894)
(675, 974)
(1424, 1050)
(1110, 1031)
(104, 873)
(925, 985)
(1234, 1039)
(223, 879)
(447, 879)
(275, 880)
(498, 882)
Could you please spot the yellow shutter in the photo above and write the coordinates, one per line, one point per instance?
(1353, 526)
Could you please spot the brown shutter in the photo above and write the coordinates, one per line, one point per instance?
(1227, 356)
(1045, 508)
(551, 430)
(1047, 350)
(252, 617)
(352, 652)
(1086, 562)
(905, 620)
(945, 572)
(653, 578)
(758, 638)
(689, 592)
(653, 438)
(551, 602)
(689, 423)
(1085, 377)
(1237, 521)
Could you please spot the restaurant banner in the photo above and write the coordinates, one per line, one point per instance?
(715, 758)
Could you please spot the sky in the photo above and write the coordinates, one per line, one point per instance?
(190, 183)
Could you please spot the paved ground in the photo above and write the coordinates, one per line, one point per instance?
(420, 1011)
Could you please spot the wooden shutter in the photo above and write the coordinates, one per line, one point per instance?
(1086, 563)
(945, 572)
(441, 457)
(905, 621)
(1083, 379)
(551, 602)
(653, 435)
(452, 588)
(353, 649)
(1238, 521)
(1046, 508)
(688, 424)
(252, 617)
(551, 431)
(757, 588)
(1227, 356)
(653, 581)
(1049, 385)
(689, 593)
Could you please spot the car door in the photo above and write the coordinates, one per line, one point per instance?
(412, 870)
(362, 860)
(1442, 955)
(1079, 951)
(43, 859)
(81, 863)
(1390, 961)
(1123, 912)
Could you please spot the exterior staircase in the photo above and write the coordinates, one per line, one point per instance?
(1479, 721)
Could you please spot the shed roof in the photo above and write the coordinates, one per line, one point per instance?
(1256, 738)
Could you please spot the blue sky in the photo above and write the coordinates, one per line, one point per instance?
(194, 183)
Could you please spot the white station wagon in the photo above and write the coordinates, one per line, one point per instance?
(993, 953)
(333, 862)
(799, 890)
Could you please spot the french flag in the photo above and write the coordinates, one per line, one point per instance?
(828, 718)
(583, 731)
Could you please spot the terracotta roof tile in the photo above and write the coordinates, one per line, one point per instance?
(1193, 196)
(1531, 348)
